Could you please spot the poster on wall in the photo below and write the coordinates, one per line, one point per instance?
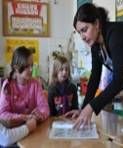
(119, 10)
(12, 44)
(25, 18)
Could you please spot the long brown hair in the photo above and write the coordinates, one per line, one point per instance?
(58, 62)
(19, 59)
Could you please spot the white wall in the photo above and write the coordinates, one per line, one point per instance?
(109, 5)
(61, 18)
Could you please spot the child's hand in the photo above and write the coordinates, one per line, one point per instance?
(31, 124)
(31, 116)
(43, 116)
(24, 117)
(38, 115)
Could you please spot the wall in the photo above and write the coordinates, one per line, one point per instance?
(109, 5)
(60, 25)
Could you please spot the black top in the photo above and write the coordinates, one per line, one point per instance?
(62, 98)
(113, 37)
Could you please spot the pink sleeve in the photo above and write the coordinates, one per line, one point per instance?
(42, 108)
(5, 106)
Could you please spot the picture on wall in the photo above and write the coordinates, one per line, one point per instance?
(119, 10)
(25, 18)
(12, 44)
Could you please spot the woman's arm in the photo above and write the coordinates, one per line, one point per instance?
(95, 76)
(115, 45)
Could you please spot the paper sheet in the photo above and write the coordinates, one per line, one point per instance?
(64, 130)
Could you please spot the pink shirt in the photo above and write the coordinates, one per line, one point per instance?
(23, 100)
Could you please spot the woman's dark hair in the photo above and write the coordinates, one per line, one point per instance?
(19, 59)
(89, 13)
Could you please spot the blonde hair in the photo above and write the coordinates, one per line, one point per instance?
(58, 62)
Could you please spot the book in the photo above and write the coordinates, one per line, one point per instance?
(64, 130)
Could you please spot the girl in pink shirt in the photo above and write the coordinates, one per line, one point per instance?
(21, 96)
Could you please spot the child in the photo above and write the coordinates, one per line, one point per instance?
(9, 136)
(62, 94)
(22, 96)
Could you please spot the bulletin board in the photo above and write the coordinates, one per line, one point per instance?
(25, 18)
(119, 10)
(12, 44)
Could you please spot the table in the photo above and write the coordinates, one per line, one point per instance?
(108, 124)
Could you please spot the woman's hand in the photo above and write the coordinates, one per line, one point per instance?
(84, 117)
(72, 114)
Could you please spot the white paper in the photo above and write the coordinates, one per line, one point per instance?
(64, 130)
(62, 124)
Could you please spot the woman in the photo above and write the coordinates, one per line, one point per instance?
(106, 41)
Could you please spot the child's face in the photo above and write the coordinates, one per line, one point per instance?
(27, 73)
(63, 73)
